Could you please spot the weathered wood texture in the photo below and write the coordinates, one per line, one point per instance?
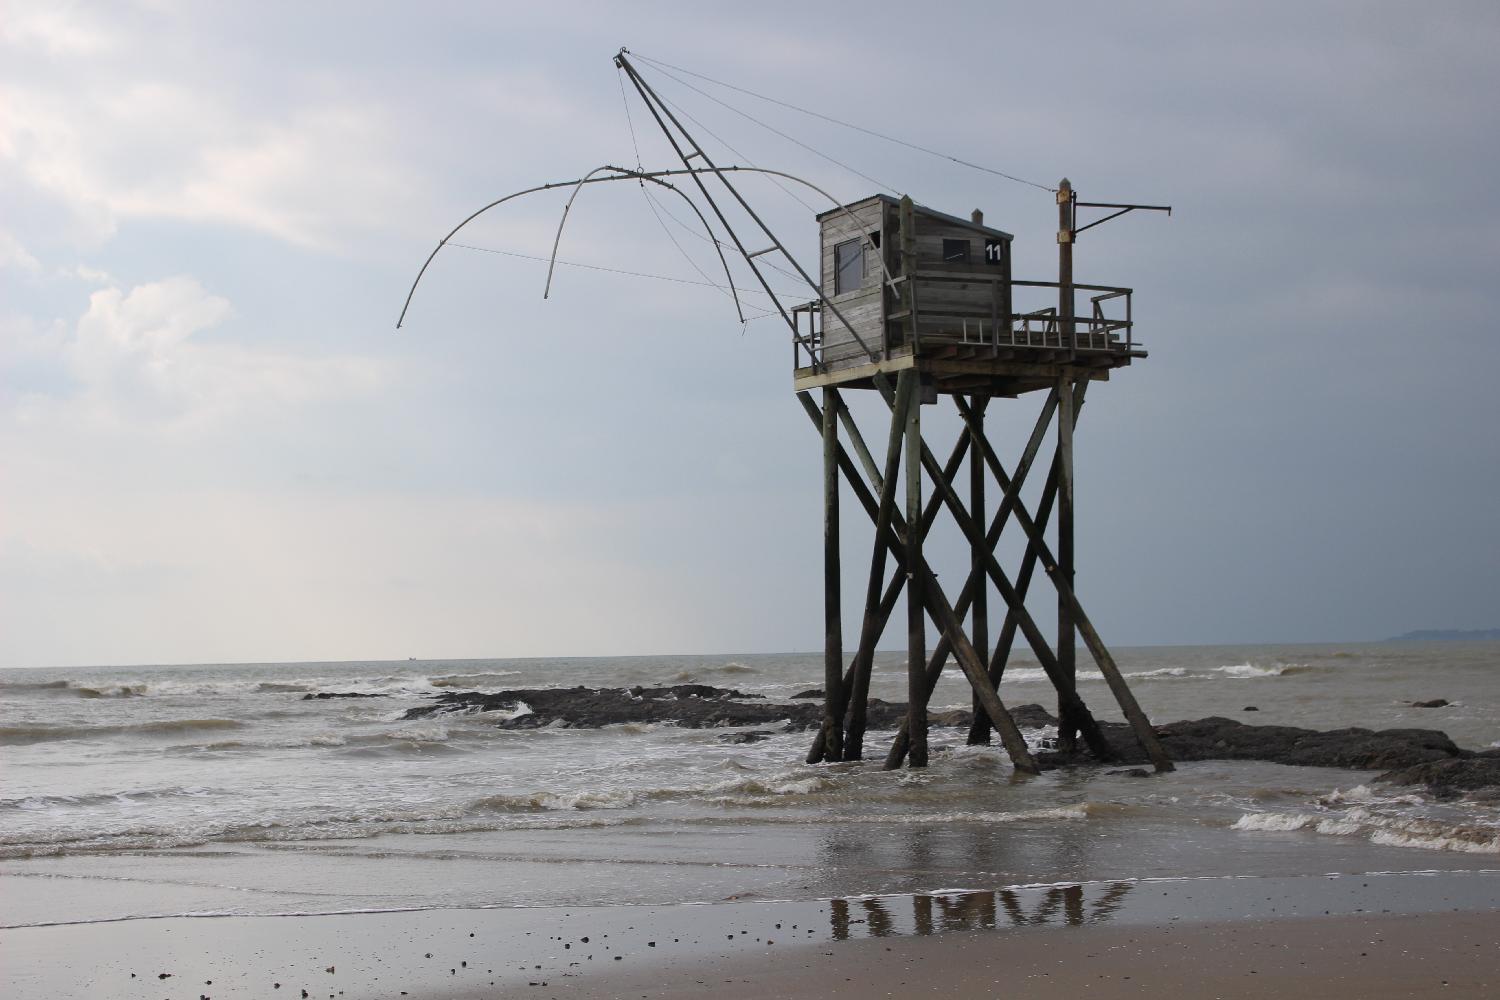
(861, 307)
(833, 628)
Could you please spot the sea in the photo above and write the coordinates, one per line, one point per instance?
(141, 792)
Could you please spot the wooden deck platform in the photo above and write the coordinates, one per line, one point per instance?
(977, 369)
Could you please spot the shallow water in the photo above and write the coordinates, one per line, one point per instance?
(216, 789)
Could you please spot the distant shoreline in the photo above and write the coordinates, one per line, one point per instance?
(1448, 635)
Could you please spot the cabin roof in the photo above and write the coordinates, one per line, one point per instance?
(924, 210)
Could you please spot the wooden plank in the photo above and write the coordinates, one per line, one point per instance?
(804, 379)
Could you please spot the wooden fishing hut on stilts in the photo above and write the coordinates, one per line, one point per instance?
(918, 306)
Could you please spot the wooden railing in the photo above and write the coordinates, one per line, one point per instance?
(1103, 324)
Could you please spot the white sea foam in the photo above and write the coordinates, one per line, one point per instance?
(1380, 828)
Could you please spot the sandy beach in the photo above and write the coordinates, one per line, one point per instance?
(1376, 935)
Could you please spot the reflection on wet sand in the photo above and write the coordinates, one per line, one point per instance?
(1072, 905)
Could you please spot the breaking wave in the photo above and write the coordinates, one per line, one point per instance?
(1383, 829)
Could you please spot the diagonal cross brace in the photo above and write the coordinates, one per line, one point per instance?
(1097, 744)
(1064, 684)
(937, 607)
(1144, 733)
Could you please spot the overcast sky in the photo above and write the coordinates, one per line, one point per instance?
(214, 445)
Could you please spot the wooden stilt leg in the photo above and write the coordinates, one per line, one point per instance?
(1067, 730)
(916, 618)
(979, 627)
(874, 623)
(833, 629)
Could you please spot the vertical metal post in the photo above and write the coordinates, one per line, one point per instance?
(979, 631)
(1065, 332)
(916, 596)
(833, 628)
(1067, 659)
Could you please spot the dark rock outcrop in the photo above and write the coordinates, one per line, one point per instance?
(1451, 777)
(1218, 738)
(693, 706)
(1408, 756)
(1434, 703)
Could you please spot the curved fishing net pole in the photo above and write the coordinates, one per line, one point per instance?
(616, 174)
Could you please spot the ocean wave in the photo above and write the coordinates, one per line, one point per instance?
(735, 668)
(1385, 830)
(277, 687)
(472, 682)
(618, 798)
(1023, 675)
(25, 735)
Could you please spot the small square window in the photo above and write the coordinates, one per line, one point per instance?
(848, 266)
(955, 251)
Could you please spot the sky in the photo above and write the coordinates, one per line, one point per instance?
(215, 446)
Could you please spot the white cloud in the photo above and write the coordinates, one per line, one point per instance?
(317, 177)
(140, 359)
(14, 255)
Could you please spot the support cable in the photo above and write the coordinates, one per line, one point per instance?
(789, 138)
(849, 125)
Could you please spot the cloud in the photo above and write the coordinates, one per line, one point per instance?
(141, 359)
(14, 255)
(316, 177)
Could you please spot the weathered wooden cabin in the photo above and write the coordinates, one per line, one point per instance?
(906, 286)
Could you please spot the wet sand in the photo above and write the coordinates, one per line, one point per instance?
(1410, 934)
(1448, 955)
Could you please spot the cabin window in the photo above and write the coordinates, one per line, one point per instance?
(848, 266)
(955, 251)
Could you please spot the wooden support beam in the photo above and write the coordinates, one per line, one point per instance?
(874, 622)
(938, 608)
(916, 618)
(1067, 658)
(1144, 733)
(833, 627)
(979, 622)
